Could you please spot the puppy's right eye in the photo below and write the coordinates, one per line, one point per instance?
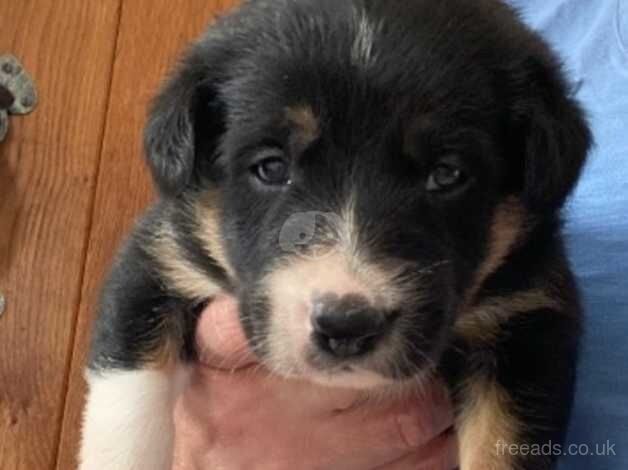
(272, 169)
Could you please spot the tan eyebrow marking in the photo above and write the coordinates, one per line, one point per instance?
(303, 118)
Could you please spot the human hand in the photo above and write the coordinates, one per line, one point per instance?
(234, 415)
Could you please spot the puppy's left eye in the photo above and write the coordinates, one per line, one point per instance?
(444, 176)
(272, 169)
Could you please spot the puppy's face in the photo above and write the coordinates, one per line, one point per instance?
(372, 166)
(354, 229)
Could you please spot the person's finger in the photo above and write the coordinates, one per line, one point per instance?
(412, 423)
(220, 340)
(391, 433)
(439, 454)
(258, 385)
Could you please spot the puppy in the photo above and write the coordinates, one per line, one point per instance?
(380, 184)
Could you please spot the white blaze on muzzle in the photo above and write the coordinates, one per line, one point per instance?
(324, 257)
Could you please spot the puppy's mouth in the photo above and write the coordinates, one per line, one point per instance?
(383, 369)
(349, 376)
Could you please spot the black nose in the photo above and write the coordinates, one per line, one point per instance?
(347, 326)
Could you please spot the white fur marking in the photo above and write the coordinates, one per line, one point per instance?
(362, 50)
(128, 420)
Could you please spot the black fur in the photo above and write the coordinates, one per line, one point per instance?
(441, 77)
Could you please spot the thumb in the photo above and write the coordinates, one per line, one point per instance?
(221, 342)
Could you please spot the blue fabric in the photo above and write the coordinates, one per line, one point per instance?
(592, 38)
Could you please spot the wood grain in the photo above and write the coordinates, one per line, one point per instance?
(47, 180)
(152, 34)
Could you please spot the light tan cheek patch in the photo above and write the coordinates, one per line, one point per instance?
(181, 274)
(506, 229)
(208, 218)
(482, 323)
(487, 428)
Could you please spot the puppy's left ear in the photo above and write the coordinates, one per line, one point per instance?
(186, 121)
(551, 131)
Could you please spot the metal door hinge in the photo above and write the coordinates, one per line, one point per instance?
(17, 91)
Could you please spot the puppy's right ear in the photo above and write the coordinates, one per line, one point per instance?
(185, 122)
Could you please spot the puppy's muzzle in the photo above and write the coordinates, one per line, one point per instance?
(348, 327)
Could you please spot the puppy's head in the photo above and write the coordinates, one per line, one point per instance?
(372, 163)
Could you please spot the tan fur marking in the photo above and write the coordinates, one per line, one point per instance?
(303, 118)
(506, 229)
(484, 425)
(164, 353)
(182, 275)
(208, 218)
(482, 322)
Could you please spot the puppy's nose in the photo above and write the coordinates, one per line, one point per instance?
(348, 326)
